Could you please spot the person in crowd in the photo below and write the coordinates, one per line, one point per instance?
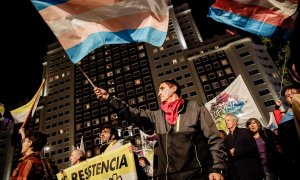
(30, 166)
(244, 160)
(287, 132)
(109, 139)
(146, 166)
(77, 156)
(296, 112)
(189, 144)
(266, 142)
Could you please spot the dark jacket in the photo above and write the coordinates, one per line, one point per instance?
(191, 152)
(271, 141)
(245, 164)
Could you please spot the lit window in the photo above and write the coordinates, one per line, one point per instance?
(118, 71)
(141, 99)
(140, 47)
(203, 78)
(114, 116)
(88, 153)
(220, 73)
(228, 70)
(224, 62)
(132, 101)
(126, 68)
(110, 82)
(142, 55)
(109, 66)
(137, 81)
(86, 106)
(111, 90)
(110, 73)
(87, 124)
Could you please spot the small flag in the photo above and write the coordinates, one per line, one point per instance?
(82, 26)
(272, 122)
(268, 18)
(22, 113)
(81, 147)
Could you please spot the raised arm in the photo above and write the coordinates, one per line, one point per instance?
(22, 133)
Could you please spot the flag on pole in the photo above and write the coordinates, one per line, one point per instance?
(148, 143)
(22, 113)
(268, 18)
(81, 146)
(84, 25)
(235, 99)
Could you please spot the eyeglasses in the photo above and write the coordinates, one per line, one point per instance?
(290, 93)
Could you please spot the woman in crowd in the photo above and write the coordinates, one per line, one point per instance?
(266, 141)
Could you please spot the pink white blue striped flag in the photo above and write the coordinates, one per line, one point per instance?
(81, 26)
(268, 18)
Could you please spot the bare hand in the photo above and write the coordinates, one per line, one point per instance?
(101, 93)
(131, 148)
(215, 176)
(278, 102)
(22, 132)
(232, 151)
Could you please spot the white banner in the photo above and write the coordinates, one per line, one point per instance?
(235, 99)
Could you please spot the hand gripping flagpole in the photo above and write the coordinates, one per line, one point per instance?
(86, 76)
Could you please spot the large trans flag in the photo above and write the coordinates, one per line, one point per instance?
(268, 18)
(81, 26)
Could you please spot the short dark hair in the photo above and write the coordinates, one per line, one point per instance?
(113, 131)
(294, 86)
(171, 83)
(39, 140)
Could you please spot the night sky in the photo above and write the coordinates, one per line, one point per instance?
(26, 37)
(25, 41)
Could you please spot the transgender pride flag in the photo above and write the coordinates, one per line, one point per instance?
(268, 18)
(81, 26)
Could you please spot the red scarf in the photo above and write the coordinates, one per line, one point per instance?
(171, 110)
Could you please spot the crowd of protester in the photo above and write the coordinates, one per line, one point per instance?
(189, 144)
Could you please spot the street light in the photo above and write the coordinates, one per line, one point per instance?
(46, 149)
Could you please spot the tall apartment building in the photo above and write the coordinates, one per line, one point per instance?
(70, 109)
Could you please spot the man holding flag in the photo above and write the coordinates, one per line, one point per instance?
(189, 144)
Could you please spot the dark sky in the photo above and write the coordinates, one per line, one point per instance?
(25, 41)
(25, 44)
